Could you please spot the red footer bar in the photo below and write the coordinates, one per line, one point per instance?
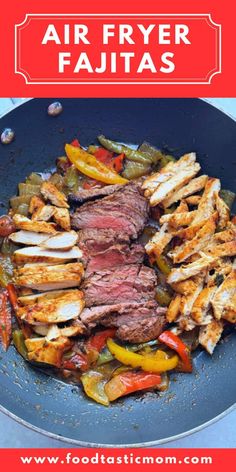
(118, 459)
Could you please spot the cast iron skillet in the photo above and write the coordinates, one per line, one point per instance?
(61, 410)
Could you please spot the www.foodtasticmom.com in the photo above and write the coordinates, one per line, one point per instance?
(125, 459)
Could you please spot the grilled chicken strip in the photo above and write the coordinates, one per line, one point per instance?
(210, 335)
(207, 203)
(173, 309)
(202, 305)
(62, 217)
(35, 203)
(40, 297)
(52, 331)
(185, 320)
(53, 310)
(159, 241)
(50, 192)
(178, 219)
(195, 185)
(22, 222)
(197, 243)
(222, 250)
(193, 199)
(166, 189)
(222, 300)
(63, 241)
(47, 352)
(152, 182)
(186, 271)
(44, 213)
(38, 254)
(224, 212)
(31, 238)
(49, 277)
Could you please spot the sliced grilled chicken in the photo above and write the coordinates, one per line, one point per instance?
(173, 309)
(207, 203)
(178, 219)
(53, 310)
(22, 222)
(159, 241)
(222, 250)
(186, 271)
(40, 297)
(200, 310)
(38, 254)
(195, 185)
(197, 243)
(54, 332)
(193, 199)
(64, 241)
(185, 287)
(224, 212)
(47, 352)
(167, 189)
(222, 300)
(50, 192)
(35, 203)
(54, 277)
(30, 238)
(185, 320)
(210, 335)
(44, 213)
(152, 182)
(62, 217)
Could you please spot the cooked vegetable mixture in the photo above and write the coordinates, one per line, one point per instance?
(116, 266)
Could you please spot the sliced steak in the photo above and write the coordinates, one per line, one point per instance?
(92, 219)
(117, 285)
(136, 322)
(95, 315)
(141, 329)
(115, 256)
(124, 211)
(83, 195)
(93, 241)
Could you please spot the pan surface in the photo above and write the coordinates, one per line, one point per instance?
(61, 410)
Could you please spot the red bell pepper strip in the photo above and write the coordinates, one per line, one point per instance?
(87, 185)
(98, 340)
(175, 343)
(75, 143)
(118, 163)
(5, 320)
(104, 156)
(12, 293)
(78, 361)
(129, 382)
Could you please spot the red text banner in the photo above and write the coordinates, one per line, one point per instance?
(156, 48)
(119, 49)
(119, 459)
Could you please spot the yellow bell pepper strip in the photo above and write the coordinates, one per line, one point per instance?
(90, 166)
(175, 343)
(146, 363)
(129, 382)
(94, 386)
(106, 356)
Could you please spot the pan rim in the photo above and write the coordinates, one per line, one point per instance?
(80, 443)
(77, 442)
